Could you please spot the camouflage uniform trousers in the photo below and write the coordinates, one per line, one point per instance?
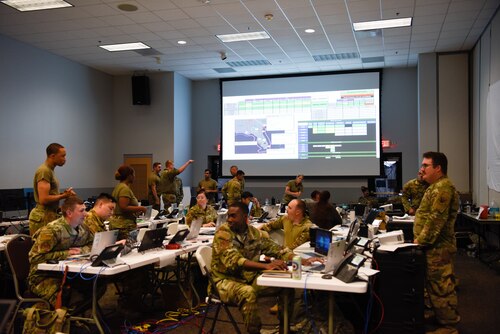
(168, 200)
(440, 285)
(74, 293)
(41, 216)
(245, 296)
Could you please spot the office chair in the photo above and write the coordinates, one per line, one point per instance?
(16, 251)
(204, 257)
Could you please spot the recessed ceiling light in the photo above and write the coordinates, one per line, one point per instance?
(30, 5)
(382, 24)
(181, 42)
(125, 46)
(310, 31)
(126, 7)
(248, 36)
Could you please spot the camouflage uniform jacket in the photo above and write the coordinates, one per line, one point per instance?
(167, 181)
(233, 191)
(53, 241)
(179, 192)
(434, 224)
(295, 235)
(413, 191)
(196, 211)
(94, 222)
(230, 251)
(293, 187)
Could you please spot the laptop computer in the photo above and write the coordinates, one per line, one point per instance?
(323, 241)
(108, 256)
(179, 236)
(334, 257)
(152, 239)
(194, 229)
(101, 241)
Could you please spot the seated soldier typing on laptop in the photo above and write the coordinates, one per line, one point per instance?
(57, 240)
(202, 210)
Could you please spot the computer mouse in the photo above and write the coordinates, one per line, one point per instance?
(316, 263)
(327, 276)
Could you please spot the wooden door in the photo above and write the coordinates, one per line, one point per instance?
(142, 164)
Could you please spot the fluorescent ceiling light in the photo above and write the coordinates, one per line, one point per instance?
(125, 46)
(310, 31)
(248, 36)
(181, 42)
(29, 5)
(382, 24)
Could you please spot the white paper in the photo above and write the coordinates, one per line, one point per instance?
(393, 248)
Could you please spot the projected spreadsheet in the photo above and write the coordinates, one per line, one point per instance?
(302, 126)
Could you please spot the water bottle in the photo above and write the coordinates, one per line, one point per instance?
(494, 209)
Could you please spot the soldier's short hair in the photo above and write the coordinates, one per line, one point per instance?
(246, 194)
(208, 170)
(240, 172)
(156, 164)
(53, 148)
(241, 206)
(438, 159)
(105, 197)
(314, 194)
(301, 205)
(70, 203)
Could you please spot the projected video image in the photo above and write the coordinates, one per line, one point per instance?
(281, 122)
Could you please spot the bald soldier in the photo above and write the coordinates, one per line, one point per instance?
(46, 188)
(58, 240)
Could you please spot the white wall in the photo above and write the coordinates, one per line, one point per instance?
(486, 71)
(46, 98)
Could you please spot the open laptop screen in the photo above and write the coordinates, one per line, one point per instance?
(323, 240)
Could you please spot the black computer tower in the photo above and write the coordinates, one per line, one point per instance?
(400, 286)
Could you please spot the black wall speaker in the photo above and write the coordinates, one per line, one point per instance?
(140, 90)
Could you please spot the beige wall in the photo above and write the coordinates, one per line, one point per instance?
(444, 112)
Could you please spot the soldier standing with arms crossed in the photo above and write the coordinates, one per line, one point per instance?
(434, 229)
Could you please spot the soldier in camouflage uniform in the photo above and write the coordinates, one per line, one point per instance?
(209, 185)
(154, 185)
(46, 189)
(104, 207)
(367, 198)
(127, 208)
(56, 241)
(413, 191)
(168, 186)
(179, 192)
(295, 224)
(434, 229)
(293, 189)
(202, 210)
(237, 247)
(233, 189)
(246, 198)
